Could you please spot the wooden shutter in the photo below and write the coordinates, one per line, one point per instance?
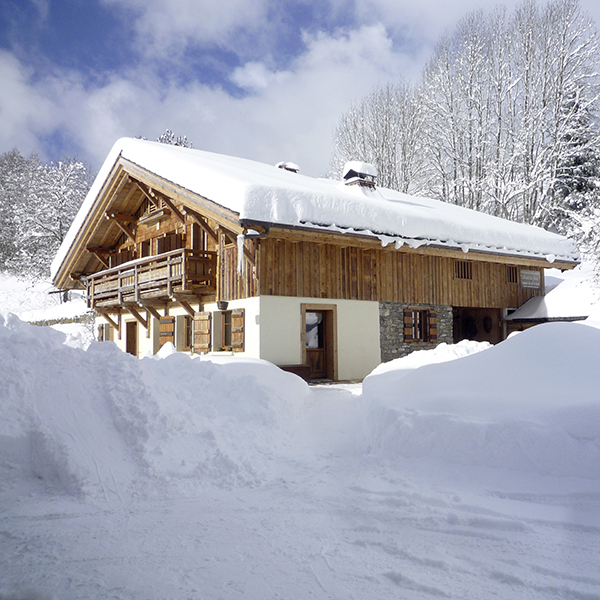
(237, 330)
(166, 331)
(409, 326)
(432, 327)
(100, 333)
(202, 326)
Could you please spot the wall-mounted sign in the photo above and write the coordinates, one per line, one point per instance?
(531, 280)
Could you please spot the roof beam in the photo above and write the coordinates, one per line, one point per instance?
(122, 225)
(202, 222)
(155, 199)
(101, 254)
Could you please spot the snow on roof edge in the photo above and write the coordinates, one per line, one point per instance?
(263, 193)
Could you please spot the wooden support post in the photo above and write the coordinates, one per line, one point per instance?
(184, 304)
(146, 191)
(151, 310)
(174, 209)
(136, 315)
(101, 254)
(108, 318)
(121, 225)
(249, 255)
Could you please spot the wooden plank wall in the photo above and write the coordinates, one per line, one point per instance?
(234, 286)
(307, 269)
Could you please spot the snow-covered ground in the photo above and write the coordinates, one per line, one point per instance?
(466, 472)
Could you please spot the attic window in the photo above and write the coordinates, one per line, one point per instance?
(463, 269)
(512, 274)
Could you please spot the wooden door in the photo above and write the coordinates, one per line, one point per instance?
(131, 337)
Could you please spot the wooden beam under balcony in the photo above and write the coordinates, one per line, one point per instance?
(151, 310)
(136, 315)
(184, 304)
(106, 316)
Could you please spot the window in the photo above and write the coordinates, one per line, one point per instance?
(226, 330)
(420, 325)
(105, 332)
(463, 269)
(512, 274)
(232, 330)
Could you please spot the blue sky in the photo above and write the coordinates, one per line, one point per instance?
(262, 79)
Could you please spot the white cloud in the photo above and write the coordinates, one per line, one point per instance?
(164, 29)
(254, 76)
(289, 115)
(25, 113)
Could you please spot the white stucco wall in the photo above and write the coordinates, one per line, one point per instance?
(358, 345)
(251, 307)
(273, 332)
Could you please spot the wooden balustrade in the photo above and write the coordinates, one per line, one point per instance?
(154, 278)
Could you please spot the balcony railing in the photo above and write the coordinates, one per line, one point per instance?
(159, 277)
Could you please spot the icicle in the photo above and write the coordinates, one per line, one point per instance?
(240, 249)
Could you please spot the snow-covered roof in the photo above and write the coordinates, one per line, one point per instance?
(264, 193)
(573, 299)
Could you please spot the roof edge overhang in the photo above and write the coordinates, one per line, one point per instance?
(546, 319)
(370, 239)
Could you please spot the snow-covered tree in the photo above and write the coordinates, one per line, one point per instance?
(39, 202)
(383, 130)
(507, 117)
(168, 137)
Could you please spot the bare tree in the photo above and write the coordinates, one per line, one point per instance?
(383, 129)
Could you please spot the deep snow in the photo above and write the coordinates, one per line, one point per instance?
(172, 477)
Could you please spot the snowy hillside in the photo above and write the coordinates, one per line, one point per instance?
(172, 477)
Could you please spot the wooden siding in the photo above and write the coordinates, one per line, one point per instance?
(234, 286)
(316, 270)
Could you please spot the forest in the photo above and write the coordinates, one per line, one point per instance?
(503, 120)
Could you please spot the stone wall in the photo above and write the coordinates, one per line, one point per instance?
(391, 329)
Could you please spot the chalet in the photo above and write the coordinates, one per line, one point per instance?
(224, 255)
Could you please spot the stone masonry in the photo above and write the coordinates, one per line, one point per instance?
(391, 329)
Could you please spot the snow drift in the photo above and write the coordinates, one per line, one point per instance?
(102, 422)
(531, 403)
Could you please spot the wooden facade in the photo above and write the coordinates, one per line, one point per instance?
(336, 270)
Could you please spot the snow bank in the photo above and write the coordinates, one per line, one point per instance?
(386, 375)
(531, 403)
(103, 423)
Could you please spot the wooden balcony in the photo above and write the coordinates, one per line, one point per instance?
(155, 278)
